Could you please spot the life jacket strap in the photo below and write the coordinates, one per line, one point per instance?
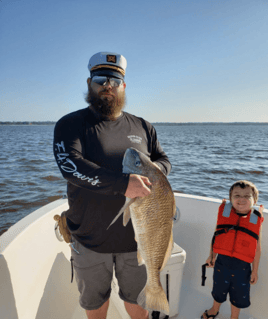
(253, 217)
(225, 228)
(257, 213)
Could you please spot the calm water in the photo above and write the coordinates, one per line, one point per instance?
(206, 160)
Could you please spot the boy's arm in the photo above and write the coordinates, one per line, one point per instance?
(212, 256)
(255, 264)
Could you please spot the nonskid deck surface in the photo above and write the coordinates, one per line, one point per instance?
(194, 301)
(112, 313)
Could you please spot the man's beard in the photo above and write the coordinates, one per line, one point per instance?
(105, 106)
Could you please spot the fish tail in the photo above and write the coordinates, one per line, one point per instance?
(153, 299)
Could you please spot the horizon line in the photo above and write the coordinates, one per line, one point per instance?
(173, 123)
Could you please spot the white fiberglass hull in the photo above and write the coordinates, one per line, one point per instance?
(35, 271)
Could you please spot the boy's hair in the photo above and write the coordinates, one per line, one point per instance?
(244, 184)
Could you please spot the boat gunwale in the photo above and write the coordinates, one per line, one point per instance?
(22, 225)
(28, 221)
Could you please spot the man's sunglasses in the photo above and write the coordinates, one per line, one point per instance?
(103, 80)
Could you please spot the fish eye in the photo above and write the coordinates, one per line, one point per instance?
(138, 163)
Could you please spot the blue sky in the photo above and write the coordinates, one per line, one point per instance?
(188, 61)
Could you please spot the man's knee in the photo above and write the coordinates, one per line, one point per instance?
(100, 313)
(136, 311)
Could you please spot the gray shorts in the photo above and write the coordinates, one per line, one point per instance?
(94, 274)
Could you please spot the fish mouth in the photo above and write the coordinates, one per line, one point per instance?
(130, 153)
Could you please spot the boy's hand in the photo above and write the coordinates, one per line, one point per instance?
(253, 278)
(211, 261)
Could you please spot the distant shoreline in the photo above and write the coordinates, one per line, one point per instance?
(28, 123)
(153, 123)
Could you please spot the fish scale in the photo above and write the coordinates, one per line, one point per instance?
(152, 219)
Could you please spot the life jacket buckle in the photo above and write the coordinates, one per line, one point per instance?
(230, 228)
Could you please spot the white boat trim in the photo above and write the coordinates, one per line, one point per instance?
(35, 270)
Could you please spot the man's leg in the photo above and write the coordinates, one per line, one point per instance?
(136, 311)
(100, 313)
(131, 280)
(93, 274)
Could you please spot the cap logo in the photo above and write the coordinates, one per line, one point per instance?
(111, 58)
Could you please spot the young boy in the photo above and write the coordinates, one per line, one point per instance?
(237, 241)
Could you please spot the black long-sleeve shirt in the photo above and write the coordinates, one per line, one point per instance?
(89, 152)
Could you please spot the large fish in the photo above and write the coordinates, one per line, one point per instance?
(152, 218)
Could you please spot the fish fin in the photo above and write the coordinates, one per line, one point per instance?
(168, 252)
(177, 215)
(153, 299)
(128, 202)
(140, 259)
(126, 216)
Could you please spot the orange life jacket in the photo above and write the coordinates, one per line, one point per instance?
(236, 235)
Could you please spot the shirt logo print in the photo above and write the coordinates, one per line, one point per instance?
(135, 139)
(69, 166)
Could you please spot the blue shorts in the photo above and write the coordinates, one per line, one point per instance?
(231, 275)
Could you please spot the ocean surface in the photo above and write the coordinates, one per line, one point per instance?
(206, 160)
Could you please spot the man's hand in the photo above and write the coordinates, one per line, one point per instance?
(137, 186)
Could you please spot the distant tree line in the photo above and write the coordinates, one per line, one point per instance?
(28, 123)
(207, 123)
(156, 123)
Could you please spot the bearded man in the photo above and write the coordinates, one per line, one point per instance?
(89, 146)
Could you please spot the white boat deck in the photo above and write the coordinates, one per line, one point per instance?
(35, 271)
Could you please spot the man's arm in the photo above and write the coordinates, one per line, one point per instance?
(158, 156)
(69, 153)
